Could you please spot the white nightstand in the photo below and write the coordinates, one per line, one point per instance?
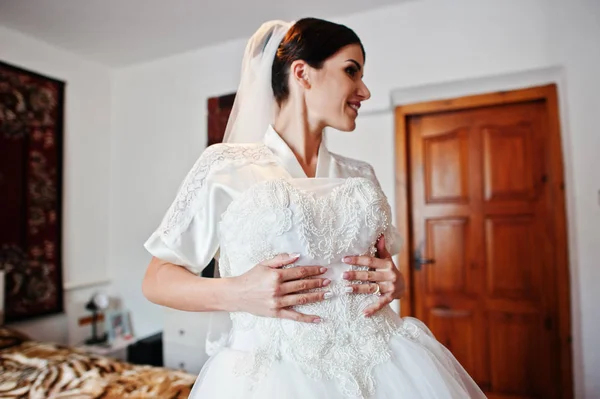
(117, 350)
(184, 340)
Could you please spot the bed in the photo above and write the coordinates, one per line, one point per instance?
(33, 369)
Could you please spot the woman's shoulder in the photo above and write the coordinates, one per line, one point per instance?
(223, 155)
(235, 151)
(352, 166)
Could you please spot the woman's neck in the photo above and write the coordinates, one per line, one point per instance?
(303, 139)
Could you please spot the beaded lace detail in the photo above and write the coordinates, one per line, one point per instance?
(346, 346)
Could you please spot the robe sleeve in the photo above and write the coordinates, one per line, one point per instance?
(393, 240)
(188, 234)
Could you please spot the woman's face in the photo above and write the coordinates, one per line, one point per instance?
(337, 89)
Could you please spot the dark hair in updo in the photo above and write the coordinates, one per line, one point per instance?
(313, 41)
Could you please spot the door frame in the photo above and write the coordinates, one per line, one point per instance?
(549, 94)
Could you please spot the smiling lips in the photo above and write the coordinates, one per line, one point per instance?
(355, 105)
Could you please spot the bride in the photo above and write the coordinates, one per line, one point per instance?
(303, 237)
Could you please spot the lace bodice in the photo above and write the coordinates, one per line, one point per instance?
(323, 220)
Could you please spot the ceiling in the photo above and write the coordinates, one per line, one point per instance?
(124, 32)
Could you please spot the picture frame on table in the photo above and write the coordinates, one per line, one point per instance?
(118, 326)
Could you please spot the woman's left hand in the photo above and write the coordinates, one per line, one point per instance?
(385, 276)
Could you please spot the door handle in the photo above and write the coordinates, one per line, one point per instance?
(419, 261)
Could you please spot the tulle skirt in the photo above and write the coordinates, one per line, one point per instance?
(421, 369)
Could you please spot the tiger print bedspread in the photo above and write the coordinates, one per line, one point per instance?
(36, 370)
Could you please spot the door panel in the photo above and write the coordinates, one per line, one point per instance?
(444, 159)
(447, 237)
(512, 270)
(456, 330)
(513, 353)
(507, 154)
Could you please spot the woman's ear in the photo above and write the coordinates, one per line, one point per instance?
(299, 73)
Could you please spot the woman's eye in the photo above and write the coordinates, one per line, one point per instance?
(351, 71)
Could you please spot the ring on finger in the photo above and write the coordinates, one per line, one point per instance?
(377, 290)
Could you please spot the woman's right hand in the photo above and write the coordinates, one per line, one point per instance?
(268, 290)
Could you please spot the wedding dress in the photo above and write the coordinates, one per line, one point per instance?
(251, 202)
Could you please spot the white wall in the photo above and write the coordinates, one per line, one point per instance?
(86, 156)
(159, 123)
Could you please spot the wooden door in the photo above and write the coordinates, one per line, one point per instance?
(483, 259)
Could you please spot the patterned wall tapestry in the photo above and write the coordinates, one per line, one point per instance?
(31, 133)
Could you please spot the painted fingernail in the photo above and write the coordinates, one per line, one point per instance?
(323, 269)
(317, 320)
(348, 289)
(346, 259)
(346, 275)
(328, 295)
(326, 282)
(294, 255)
